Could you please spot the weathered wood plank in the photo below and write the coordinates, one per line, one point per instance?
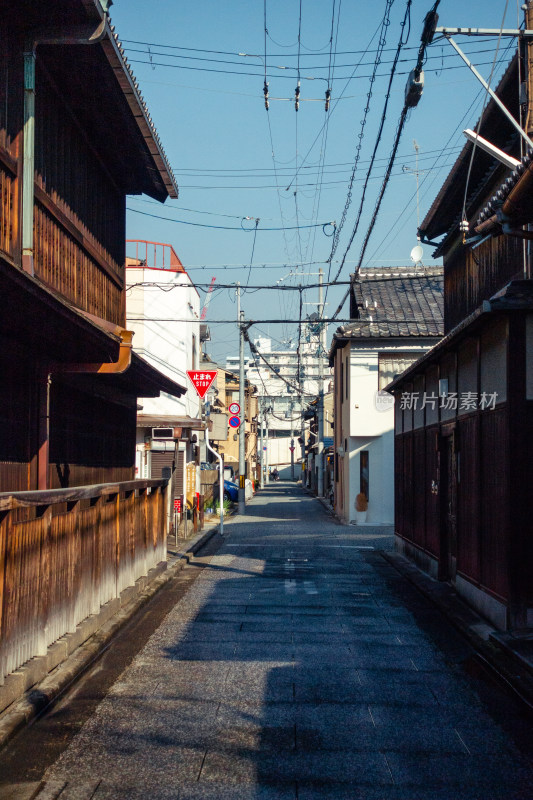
(12, 500)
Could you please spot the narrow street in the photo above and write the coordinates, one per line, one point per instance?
(298, 664)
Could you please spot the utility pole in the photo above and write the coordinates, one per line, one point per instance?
(267, 477)
(291, 406)
(320, 404)
(262, 422)
(242, 426)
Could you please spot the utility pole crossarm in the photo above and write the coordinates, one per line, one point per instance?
(483, 32)
(492, 93)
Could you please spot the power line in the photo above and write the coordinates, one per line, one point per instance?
(224, 227)
(290, 77)
(374, 153)
(459, 126)
(431, 15)
(310, 184)
(292, 55)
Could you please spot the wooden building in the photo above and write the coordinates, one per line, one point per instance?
(464, 411)
(75, 528)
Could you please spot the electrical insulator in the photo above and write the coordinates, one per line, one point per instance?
(464, 226)
(328, 97)
(265, 92)
(297, 97)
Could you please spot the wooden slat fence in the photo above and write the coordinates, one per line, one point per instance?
(58, 569)
(7, 209)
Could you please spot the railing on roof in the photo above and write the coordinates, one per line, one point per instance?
(153, 255)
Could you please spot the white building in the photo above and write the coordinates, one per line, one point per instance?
(158, 290)
(397, 316)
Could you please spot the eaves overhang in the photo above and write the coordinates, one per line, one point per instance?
(119, 63)
(517, 296)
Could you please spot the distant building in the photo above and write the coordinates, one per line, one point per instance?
(285, 385)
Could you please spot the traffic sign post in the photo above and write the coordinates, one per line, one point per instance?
(201, 380)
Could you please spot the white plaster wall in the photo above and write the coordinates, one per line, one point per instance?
(165, 345)
(369, 429)
(381, 476)
(364, 416)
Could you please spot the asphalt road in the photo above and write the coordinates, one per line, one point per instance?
(295, 663)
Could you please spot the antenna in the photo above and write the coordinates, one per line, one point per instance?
(416, 173)
(416, 254)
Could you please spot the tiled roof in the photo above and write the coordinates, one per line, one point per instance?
(396, 302)
(505, 189)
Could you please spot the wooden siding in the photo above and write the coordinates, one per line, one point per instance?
(7, 206)
(57, 569)
(91, 439)
(468, 498)
(419, 483)
(416, 508)
(79, 218)
(528, 555)
(64, 264)
(70, 170)
(471, 276)
(16, 394)
(495, 516)
(432, 473)
(483, 520)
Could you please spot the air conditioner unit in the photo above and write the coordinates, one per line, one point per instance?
(162, 433)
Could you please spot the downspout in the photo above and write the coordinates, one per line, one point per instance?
(84, 36)
(105, 368)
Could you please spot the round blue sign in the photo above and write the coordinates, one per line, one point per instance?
(234, 422)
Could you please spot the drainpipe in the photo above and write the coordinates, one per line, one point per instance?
(82, 36)
(105, 368)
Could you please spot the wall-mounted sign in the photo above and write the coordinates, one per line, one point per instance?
(234, 408)
(234, 422)
(201, 380)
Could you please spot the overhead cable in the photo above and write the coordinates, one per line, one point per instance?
(430, 21)
(400, 44)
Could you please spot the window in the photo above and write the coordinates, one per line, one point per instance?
(363, 473)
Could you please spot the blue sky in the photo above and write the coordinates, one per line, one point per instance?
(233, 159)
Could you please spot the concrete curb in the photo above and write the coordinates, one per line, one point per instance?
(92, 640)
(504, 664)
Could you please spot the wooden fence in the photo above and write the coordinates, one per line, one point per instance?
(74, 550)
